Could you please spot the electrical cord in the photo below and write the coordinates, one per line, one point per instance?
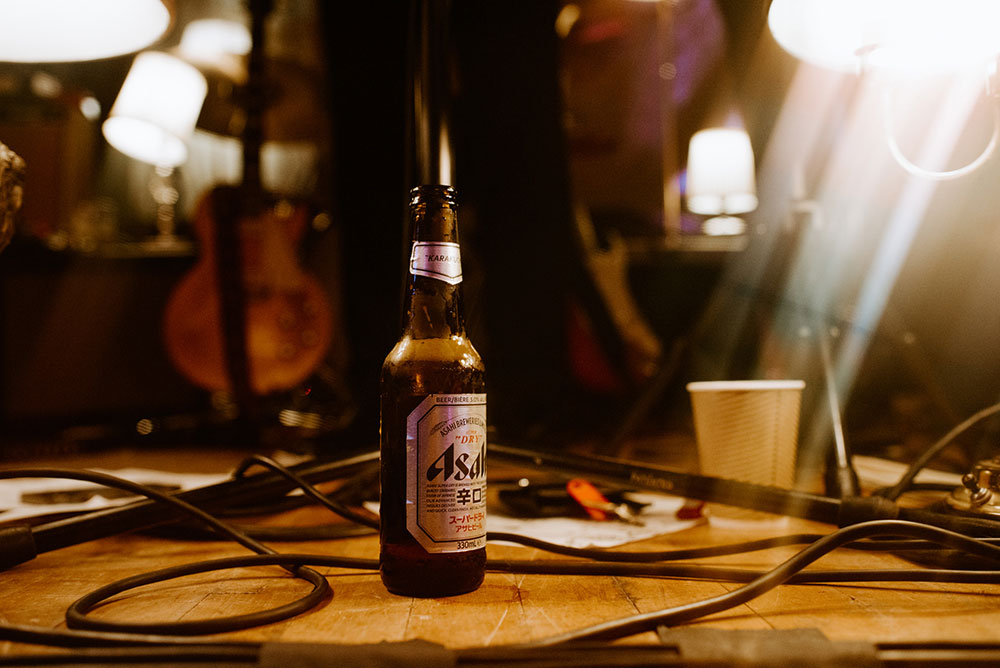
(276, 534)
(215, 655)
(792, 574)
(918, 487)
(362, 522)
(733, 574)
(627, 626)
(88, 632)
(597, 554)
(76, 614)
(364, 519)
(931, 452)
(115, 482)
(321, 587)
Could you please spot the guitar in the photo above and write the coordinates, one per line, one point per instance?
(288, 317)
(248, 318)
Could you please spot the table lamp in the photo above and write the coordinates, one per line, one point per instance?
(43, 31)
(720, 179)
(153, 119)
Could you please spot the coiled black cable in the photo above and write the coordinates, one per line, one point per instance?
(320, 591)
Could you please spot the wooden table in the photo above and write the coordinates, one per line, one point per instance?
(507, 609)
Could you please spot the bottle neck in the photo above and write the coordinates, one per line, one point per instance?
(434, 307)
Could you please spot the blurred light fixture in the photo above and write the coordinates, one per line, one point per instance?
(208, 38)
(157, 107)
(37, 31)
(720, 179)
(153, 119)
(217, 44)
(912, 37)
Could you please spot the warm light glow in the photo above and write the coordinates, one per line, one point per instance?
(156, 110)
(207, 40)
(35, 31)
(287, 168)
(724, 226)
(90, 107)
(720, 172)
(911, 35)
(567, 18)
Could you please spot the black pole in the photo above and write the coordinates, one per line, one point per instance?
(431, 74)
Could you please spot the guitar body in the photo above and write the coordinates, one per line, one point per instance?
(287, 314)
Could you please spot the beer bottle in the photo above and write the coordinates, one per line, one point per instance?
(433, 421)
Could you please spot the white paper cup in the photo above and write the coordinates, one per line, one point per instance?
(747, 430)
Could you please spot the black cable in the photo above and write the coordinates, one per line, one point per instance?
(274, 534)
(782, 573)
(366, 522)
(215, 654)
(145, 513)
(789, 571)
(596, 554)
(321, 587)
(930, 453)
(33, 635)
(918, 487)
(370, 521)
(613, 555)
(607, 555)
(555, 548)
(734, 574)
(141, 490)
(76, 615)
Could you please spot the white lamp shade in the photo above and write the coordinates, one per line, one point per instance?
(720, 172)
(37, 31)
(912, 35)
(207, 39)
(157, 109)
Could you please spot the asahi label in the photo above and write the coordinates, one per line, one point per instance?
(446, 472)
(437, 259)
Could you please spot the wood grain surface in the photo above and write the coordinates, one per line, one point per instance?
(507, 609)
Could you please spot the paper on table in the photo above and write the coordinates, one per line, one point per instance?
(659, 517)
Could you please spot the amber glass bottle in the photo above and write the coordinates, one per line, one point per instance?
(433, 421)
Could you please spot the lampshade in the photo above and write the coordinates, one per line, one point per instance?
(720, 172)
(207, 38)
(35, 31)
(913, 35)
(217, 44)
(156, 110)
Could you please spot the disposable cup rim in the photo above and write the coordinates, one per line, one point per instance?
(744, 385)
